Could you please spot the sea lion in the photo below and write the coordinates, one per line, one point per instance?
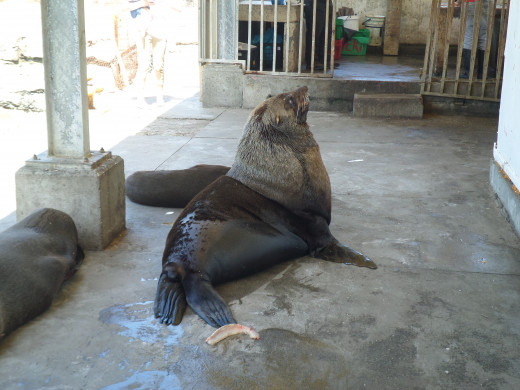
(171, 188)
(273, 205)
(36, 256)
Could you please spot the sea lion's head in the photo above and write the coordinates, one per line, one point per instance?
(284, 110)
(58, 231)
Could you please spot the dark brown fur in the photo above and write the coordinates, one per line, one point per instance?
(171, 188)
(273, 205)
(36, 256)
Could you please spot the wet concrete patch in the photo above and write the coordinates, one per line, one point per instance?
(136, 322)
(281, 359)
(144, 380)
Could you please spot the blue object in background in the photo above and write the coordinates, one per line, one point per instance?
(280, 2)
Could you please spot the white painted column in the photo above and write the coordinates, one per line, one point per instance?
(507, 148)
(505, 166)
(64, 59)
(87, 185)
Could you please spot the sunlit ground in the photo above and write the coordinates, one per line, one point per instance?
(117, 113)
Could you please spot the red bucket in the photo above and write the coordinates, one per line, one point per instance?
(338, 46)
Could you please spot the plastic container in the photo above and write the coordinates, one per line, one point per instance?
(338, 46)
(376, 26)
(357, 45)
(350, 22)
(339, 28)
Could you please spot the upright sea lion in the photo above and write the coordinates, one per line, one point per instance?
(36, 256)
(171, 188)
(273, 205)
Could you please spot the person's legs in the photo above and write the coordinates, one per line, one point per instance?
(159, 50)
(468, 39)
(482, 35)
(139, 20)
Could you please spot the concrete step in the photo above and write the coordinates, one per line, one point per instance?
(391, 105)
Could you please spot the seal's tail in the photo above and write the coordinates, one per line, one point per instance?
(170, 301)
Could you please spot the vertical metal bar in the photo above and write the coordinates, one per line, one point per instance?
(286, 31)
(326, 37)
(504, 17)
(333, 38)
(449, 16)
(476, 28)
(428, 51)
(489, 35)
(313, 35)
(235, 36)
(301, 38)
(211, 10)
(262, 36)
(275, 33)
(249, 35)
(202, 30)
(435, 25)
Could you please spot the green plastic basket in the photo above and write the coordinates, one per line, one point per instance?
(357, 45)
(339, 29)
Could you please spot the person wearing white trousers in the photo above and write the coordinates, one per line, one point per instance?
(468, 37)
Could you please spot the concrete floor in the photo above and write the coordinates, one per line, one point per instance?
(442, 311)
(374, 66)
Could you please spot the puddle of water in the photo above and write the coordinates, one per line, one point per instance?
(145, 380)
(137, 322)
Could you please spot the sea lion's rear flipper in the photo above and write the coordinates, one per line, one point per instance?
(206, 302)
(170, 300)
(336, 252)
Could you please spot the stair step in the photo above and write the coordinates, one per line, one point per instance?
(391, 105)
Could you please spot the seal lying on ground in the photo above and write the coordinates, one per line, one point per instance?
(273, 205)
(36, 256)
(171, 188)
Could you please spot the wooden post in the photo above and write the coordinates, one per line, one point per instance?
(392, 28)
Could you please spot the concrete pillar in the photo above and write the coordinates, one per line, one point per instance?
(87, 185)
(64, 60)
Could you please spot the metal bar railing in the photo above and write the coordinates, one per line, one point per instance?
(489, 28)
(313, 40)
(252, 24)
(325, 49)
(249, 35)
(476, 71)
(300, 43)
(286, 35)
(211, 32)
(428, 50)
(462, 31)
(275, 34)
(446, 43)
(262, 36)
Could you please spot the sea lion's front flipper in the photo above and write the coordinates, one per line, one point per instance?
(170, 300)
(336, 252)
(206, 302)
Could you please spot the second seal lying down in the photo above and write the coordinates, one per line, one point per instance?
(273, 205)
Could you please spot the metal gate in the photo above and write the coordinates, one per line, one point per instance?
(269, 37)
(472, 68)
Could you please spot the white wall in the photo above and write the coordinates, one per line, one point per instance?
(507, 147)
